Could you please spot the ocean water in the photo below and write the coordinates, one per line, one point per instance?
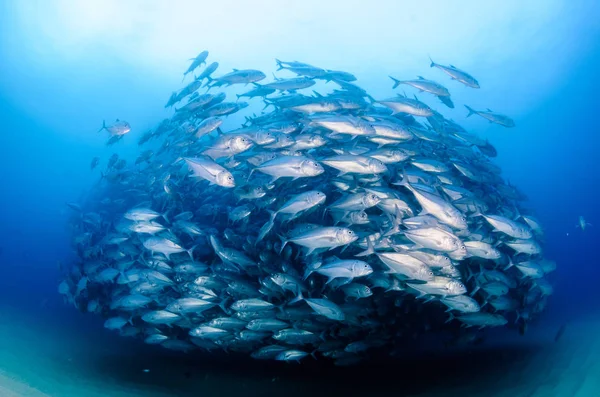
(65, 66)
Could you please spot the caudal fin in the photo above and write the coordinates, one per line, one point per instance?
(191, 252)
(283, 243)
(471, 111)
(279, 64)
(298, 298)
(103, 126)
(432, 64)
(396, 82)
(370, 248)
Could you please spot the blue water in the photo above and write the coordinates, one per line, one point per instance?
(66, 66)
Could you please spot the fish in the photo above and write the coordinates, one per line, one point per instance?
(492, 117)
(348, 269)
(424, 85)
(203, 167)
(95, 162)
(322, 237)
(197, 61)
(117, 129)
(328, 223)
(456, 74)
(582, 224)
(326, 308)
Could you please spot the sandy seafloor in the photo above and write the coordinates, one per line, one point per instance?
(44, 354)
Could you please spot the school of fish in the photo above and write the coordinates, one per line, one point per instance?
(334, 225)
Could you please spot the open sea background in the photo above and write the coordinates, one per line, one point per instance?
(67, 65)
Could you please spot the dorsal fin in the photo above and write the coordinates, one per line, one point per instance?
(489, 110)
(317, 94)
(236, 70)
(453, 67)
(421, 77)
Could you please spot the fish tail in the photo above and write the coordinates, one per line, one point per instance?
(103, 126)
(403, 181)
(471, 111)
(283, 243)
(222, 305)
(191, 252)
(370, 249)
(298, 298)
(279, 64)
(432, 64)
(396, 82)
(450, 318)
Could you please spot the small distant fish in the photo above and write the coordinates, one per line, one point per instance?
(457, 74)
(117, 129)
(582, 223)
(496, 118)
(199, 60)
(95, 162)
(560, 332)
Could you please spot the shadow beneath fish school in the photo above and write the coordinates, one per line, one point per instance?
(230, 375)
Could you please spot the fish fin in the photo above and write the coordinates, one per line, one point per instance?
(470, 274)
(489, 110)
(103, 126)
(283, 243)
(396, 82)
(471, 111)
(432, 64)
(279, 64)
(370, 249)
(191, 251)
(450, 318)
(298, 298)
(309, 251)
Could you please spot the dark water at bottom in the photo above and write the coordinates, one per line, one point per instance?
(58, 352)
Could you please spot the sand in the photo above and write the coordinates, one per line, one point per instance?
(43, 356)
